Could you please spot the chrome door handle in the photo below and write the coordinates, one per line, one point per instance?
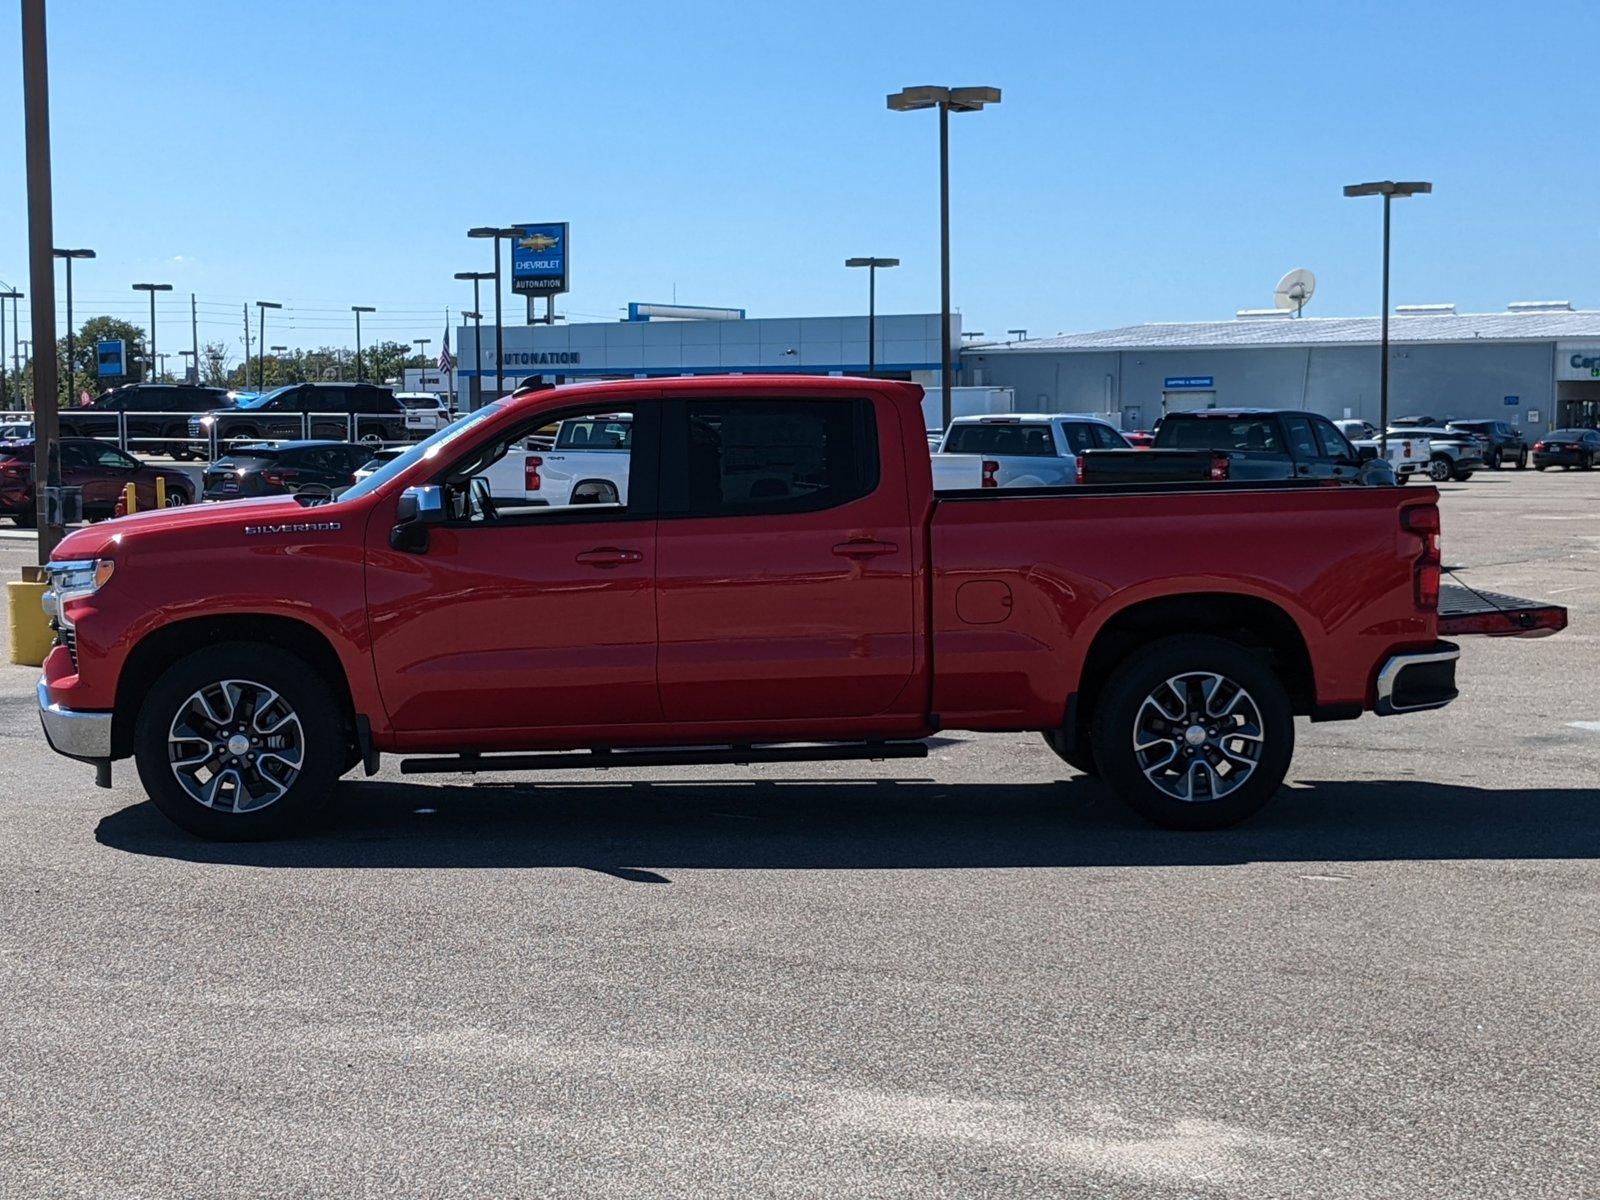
(608, 556)
(864, 548)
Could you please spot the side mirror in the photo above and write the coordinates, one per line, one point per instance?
(1363, 453)
(420, 506)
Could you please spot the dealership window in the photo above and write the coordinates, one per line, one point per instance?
(750, 457)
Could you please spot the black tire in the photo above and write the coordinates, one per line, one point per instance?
(1540, 466)
(1522, 461)
(322, 728)
(1080, 758)
(1461, 476)
(1138, 678)
(27, 518)
(1494, 460)
(1586, 463)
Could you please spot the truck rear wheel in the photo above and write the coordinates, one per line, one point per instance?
(1080, 758)
(1194, 732)
(238, 742)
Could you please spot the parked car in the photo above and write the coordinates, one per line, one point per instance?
(1409, 453)
(584, 461)
(425, 412)
(279, 468)
(1236, 444)
(156, 416)
(362, 412)
(782, 585)
(1030, 449)
(378, 458)
(1503, 440)
(1452, 454)
(1567, 448)
(100, 469)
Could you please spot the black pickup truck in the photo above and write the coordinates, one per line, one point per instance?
(1235, 444)
(154, 416)
(357, 412)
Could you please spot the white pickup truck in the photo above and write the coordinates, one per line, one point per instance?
(1408, 455)
(584, 461)
(1024, 449)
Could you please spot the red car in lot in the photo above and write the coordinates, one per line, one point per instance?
(780, 584)
(99, 468)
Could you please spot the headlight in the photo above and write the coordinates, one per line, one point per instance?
(72, 580)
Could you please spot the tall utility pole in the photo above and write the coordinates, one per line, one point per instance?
(422, 345)
(496, 232)
(41, 270)
(16, 333)
(358, 309)
(69, 255)
(872, 265)
(194, 337)
(475, 399)
(244, 375)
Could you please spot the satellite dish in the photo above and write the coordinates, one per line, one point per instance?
(1294, 290)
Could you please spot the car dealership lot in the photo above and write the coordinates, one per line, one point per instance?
(974, 975)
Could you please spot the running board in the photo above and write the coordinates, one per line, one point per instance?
(697, 757)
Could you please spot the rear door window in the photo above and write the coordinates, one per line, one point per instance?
(1079, 435)
(998, 439)
(1251, 434)
(1107, 438)
(1332, 443)
(750, 457)
(1302, 441)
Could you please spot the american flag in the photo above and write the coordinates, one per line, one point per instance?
(446, 361)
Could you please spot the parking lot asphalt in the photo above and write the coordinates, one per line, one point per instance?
(973, 976)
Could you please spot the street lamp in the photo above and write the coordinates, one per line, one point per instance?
(476, 387)
(946, 100)
(872, 265)
(69, 255)
(496, 232)
(358, 309)
(13, 295)
(1388, 189)
(422, 345)
(261, 343)
(1020, 335)
(192, 371)
(153, 288)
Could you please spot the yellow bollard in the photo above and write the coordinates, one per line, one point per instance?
(161, 491)
(31, 634)
(131, 498)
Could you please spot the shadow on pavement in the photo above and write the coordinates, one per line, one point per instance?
(637, 830)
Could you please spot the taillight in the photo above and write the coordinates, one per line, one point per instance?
(1423, 520)
(990, 469)
(1538, 445)
(278, 478)
(1405, 449)
(1219, 466)
(530, 473)
(1078, 468)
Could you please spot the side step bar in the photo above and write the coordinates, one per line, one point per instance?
(647, 757)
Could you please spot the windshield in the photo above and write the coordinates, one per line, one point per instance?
(427, 448)
(1568, 435)
(1257, 435)
(247, 401)
(1008, 440)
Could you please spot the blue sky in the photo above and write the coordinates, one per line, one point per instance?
(1155, 161)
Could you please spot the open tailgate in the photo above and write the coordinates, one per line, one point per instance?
(1465, 610)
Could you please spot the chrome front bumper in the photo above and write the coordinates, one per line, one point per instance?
(1418, 681)
(76, 734)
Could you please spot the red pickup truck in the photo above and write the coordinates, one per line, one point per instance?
(780, 584)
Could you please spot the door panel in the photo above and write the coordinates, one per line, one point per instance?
(502, 627)
(781, 614)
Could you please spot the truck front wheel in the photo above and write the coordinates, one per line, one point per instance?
(238, 741)
(1194, 732)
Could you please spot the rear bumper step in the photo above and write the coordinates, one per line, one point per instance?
(698, 756)
(1418, 681)
(1463, 611)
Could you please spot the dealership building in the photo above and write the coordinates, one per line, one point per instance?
(661, 340)
(1537, 364)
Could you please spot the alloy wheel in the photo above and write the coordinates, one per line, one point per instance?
(236, 746)
(1198, 736)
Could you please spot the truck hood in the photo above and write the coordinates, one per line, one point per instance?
(93, 541)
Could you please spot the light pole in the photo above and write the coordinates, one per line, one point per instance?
(261, 343)
(153, 288)
(496, 232)
(1388, 189)
(476, 389)
(16, 332)
(872, 265)
(192, 371)
(422, 345)
(69, 255)
(25, 348)
(358, 309)
(12, 295)
(946, 100)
